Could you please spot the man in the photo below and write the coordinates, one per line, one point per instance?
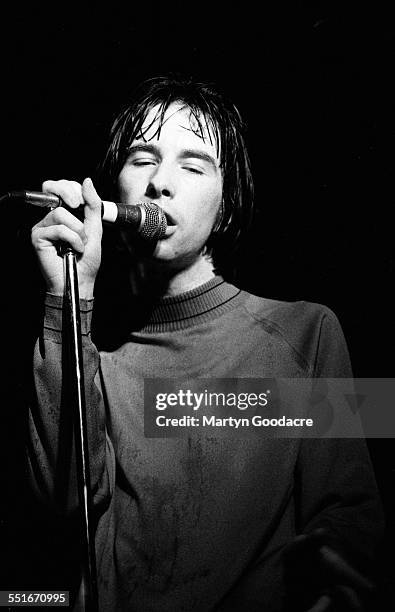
(196, 523)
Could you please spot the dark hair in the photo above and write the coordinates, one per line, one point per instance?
(209, 108)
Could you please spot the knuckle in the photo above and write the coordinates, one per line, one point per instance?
(69, 233)
(64, 216)
(61, 216)
(73, 186)
(69, 191)
(46, 185)
(36, 235)
(37, 229)
(64, 230)
(33, 235)
(55, 216)
(76, 185)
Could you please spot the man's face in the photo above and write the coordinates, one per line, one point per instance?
(179, 171)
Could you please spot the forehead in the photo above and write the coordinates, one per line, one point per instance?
(178, 125)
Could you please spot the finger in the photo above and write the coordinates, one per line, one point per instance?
(338, 567)
(61, 216)
(42, 237)
(329, 559)
(93, 208)
(305, 542)
(322, 605)
(348, 598)
(69, 191)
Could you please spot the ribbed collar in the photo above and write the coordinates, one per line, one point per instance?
(192, 307)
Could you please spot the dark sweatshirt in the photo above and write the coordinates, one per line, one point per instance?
(201, 523)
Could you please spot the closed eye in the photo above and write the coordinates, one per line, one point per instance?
(193, 169)
(143, 162)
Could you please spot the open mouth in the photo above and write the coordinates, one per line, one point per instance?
(171, 224)
(169, 219)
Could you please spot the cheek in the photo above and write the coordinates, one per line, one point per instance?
(206, 216)
(121, 183)
(124, 183)
(216, 205)
(131, 184)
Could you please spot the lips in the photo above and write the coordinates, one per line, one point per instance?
(171, 225)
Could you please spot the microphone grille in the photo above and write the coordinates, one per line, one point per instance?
(154, 223)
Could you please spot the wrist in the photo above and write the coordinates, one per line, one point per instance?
(86, 291)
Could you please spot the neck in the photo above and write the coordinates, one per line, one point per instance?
(157, 280)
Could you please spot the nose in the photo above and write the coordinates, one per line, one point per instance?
(160, 183)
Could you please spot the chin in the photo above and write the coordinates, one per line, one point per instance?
(168, 257)
(165, 251)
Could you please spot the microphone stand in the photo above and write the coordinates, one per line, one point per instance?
(77, 393)
(150, 220)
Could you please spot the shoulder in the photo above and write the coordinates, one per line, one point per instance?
(296, 320)
(286, 314)
(312, 330)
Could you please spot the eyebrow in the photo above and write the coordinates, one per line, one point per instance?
(196, 153)
(184, 154)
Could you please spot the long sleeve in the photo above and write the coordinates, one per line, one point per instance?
(335, 483)
(51, 460)
(332, 491)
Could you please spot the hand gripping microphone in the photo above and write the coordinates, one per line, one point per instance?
(147, 218)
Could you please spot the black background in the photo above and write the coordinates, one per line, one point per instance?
(313, 81)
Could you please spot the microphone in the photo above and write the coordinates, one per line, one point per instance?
(147, 218)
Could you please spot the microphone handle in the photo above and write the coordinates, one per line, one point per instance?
(114, 214)
(126, 215)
